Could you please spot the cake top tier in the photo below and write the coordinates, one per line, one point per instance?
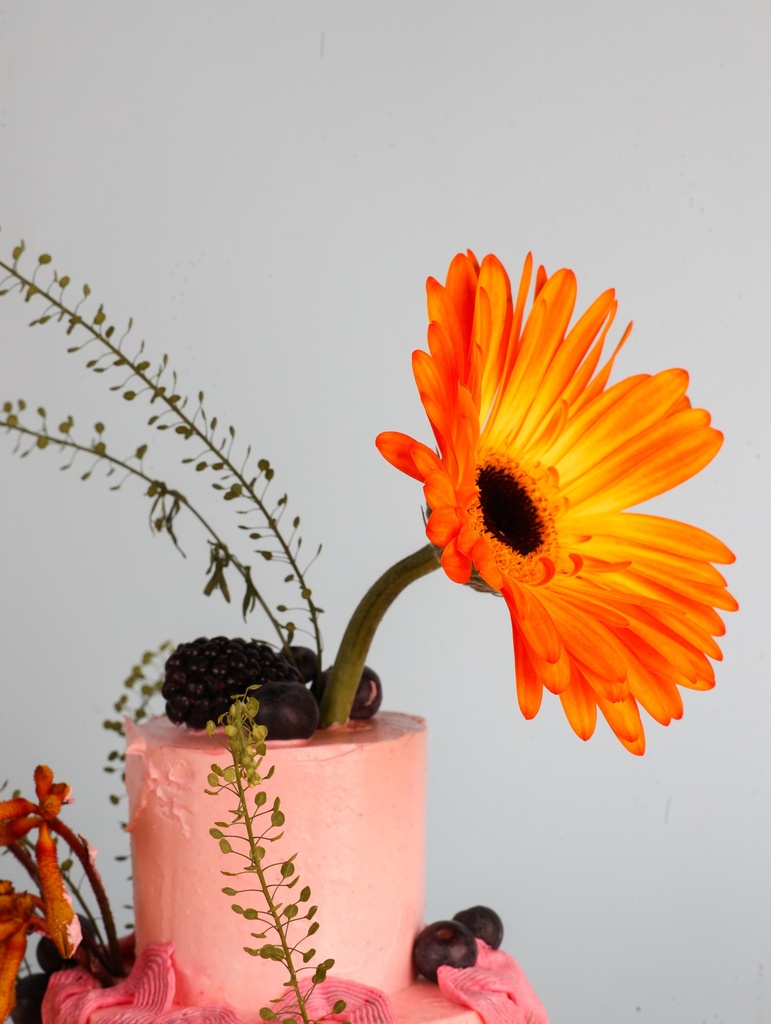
(157, 733)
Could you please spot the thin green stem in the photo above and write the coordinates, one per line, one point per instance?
(159, 393)
(346, 671)
(243, 570)
(266, 892)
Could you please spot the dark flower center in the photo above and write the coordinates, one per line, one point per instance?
(508, 510)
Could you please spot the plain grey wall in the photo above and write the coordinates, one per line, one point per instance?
(264, 187)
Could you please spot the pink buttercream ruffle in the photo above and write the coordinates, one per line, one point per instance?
(147, 995)
(363, 1005)
(496, 987)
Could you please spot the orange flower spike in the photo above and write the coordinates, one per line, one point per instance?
(17, 910)
(15, 829)
(17, 817)
(50, 795)
(16, 808)
(538, 460)
(17, 917)
(61, 921)
(11, 955)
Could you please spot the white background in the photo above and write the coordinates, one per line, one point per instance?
(265, 187)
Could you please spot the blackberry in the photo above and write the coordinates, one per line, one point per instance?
(203, 676)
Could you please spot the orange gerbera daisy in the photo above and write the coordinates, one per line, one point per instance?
(537, 461)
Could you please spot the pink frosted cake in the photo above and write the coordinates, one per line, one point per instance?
(354, 800)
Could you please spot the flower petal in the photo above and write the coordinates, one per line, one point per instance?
(63, 925)
(662, 457)
(529, 686)
(18, 807)
(455, 563)
(396, 449)
(11, 955)
(16, 828)
(44, 780)
(442, 526)
(579, 702)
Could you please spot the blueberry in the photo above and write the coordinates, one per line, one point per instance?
(306, 661)
(29, 999)
(369, 694)
(288, 710)
(444, 942)
(484, 923)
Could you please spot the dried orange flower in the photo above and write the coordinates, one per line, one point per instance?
(18, 916)
(18, 817)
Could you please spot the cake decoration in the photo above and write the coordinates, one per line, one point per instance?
(528, 490)
(484, 923)
(251, 834)
(50, 913)
(495, 987)
(538, 461)
(201, 677)
(444, 944)
(147, 997)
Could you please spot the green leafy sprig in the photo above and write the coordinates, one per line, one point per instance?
(140, 688)
(253, 826)
(245, 486)
(243, 481)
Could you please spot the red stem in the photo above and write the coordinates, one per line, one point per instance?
(25, 858)
(80, 849)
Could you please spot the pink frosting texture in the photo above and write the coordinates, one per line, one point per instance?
(354, 800)
(496, 987)
(147, 997)
(494, 991)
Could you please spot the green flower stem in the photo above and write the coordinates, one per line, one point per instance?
(346, 671)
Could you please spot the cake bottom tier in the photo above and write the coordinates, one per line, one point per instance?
(71, 992)
(423, 1003)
